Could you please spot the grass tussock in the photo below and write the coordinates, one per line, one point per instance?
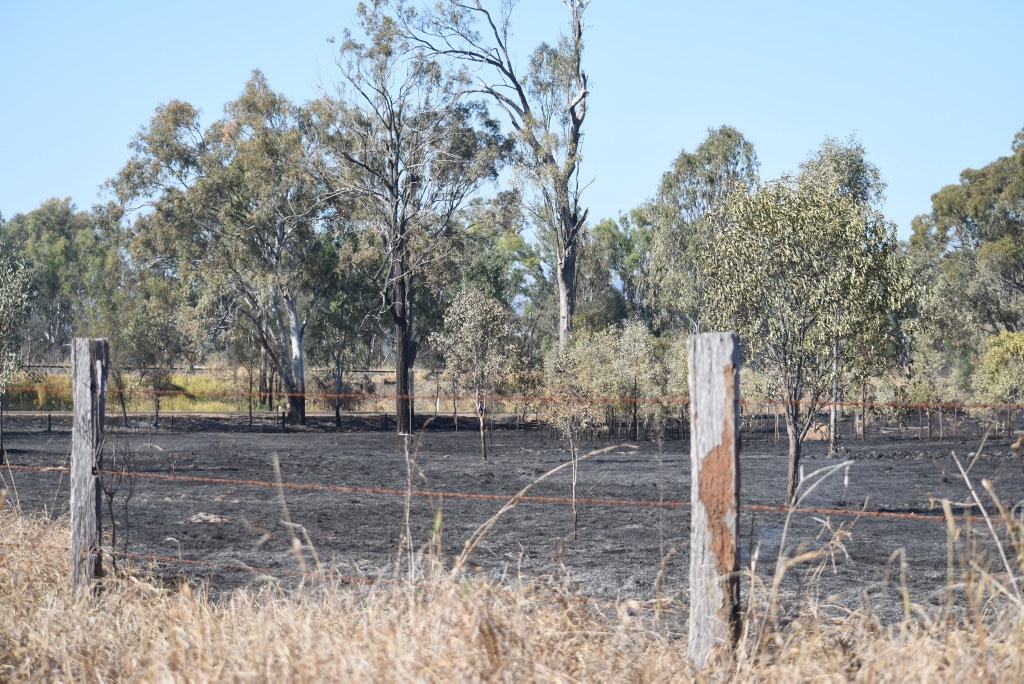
(136, 629)
(437, 630)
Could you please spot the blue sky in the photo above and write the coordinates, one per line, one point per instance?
(929, 88)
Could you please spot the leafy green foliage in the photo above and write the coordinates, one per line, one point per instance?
(619, 374)
(545, 104)
(967, 256)
(979, 225)
(599, 303)
(479, 346)
(65, 253)
(236, 220)
(796, 267)
(14, 299)
(1002, 367)
(479, 343)
(494, 256)
(405, 143)
(682, 223)
(626, 246)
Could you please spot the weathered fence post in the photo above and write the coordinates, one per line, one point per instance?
(714, 495)
(89, 359)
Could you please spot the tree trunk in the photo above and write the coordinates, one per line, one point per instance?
(636, 424)
(405, 350)
(403, 381)
(119, 382)
(863, 411)
(296, 403)
(2, 452)
(480, 417)
(264, 385)
(296, 367)
(156, 407)
(339, 385)
(776, 424)
(566, 277)
(833, 410)
(250, 371)
(455, 405)
(795, 443)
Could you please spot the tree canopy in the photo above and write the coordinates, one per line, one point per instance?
(235, 217)
(796, 265)
(405, 143)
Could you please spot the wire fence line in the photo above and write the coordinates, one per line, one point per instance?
(184, 565)
(441, 494)
(223, 548)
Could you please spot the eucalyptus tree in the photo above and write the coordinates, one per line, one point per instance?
(948, 335)
(599, 303)
(405, 143)
(682, 217)
(494, 257)
(977, 226)
(14, 299)
(545, 105)
(793, 266)
(624, 365)
(479, 346)
(346, 325)
(64, 252)
(628, 244)
(967, 256)
(846, 165)
(1001, 376)
(141, 308)
(146, 320)
(237, 215)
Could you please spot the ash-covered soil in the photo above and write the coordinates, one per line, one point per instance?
(632, 544)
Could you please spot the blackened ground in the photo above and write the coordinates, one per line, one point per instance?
(608, 550)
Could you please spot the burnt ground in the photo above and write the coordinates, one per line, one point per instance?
(613, 551)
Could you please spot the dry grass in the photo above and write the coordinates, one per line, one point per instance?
(461, 629)
(445, 631)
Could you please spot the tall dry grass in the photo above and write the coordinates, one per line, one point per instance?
(437, 630)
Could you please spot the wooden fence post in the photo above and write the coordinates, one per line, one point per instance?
(714, 494)
(89, 359)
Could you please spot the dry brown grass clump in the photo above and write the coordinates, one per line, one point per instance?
(437, 630)
(445, 631)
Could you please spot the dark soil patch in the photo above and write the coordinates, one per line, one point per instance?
(635, 548)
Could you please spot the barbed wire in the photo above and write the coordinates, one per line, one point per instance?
(438, 494)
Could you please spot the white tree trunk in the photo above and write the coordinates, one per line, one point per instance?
(296, 367)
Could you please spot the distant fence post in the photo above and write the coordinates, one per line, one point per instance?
(89, 360)
(714, 494)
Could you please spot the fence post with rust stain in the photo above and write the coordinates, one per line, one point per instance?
(714, 494)
(89, 360)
